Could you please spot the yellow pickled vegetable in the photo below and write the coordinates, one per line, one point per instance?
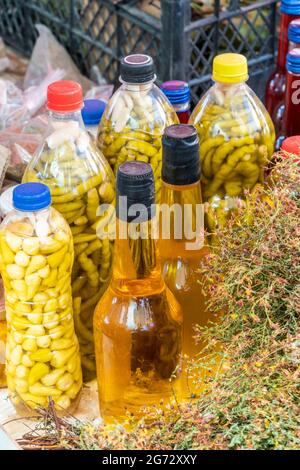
(40, 319)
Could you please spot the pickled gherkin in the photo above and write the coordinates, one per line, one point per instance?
(135, 118)
(42, 351)
(236, 138)
(80, 180)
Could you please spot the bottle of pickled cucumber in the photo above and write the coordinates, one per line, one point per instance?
(135, 118)
(182, 244)
(80, 180)
(236, 137)
(275, 88)
(138, 322)
(36, 257)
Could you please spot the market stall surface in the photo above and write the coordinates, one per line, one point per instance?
(13, 427)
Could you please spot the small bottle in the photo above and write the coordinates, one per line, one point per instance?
(138, 322)
(42, 352)
(178, 93)
(91, 114)
(275, 88)
(291, 121)
(183, 249)
(294, 41)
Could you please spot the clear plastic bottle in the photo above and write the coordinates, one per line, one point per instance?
(79, 179)
(138, 322)
(178, 93)
(236, 137)
(135, 118)
(36, 257)
(92, 112)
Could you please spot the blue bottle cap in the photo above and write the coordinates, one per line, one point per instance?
(294, 31)
(176, 91)
(293, 61)
(290, 7)
(92, 112)
(31, 197)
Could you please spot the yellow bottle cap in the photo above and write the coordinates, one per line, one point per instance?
(230, 68)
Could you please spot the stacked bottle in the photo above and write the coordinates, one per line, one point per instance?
(79, 179)
(135, 118)
(275, 88)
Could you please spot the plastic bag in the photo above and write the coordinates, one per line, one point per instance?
(49, 55)
(101, 92)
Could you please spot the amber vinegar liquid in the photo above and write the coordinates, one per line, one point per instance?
(138, 335)
(182, 269)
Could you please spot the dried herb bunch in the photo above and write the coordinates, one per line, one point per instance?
(254, 276)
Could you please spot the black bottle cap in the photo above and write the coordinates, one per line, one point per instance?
(135, 180)
(181, 160)
(137, 68)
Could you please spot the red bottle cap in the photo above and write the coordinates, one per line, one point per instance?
(292, 145)
(64, 96)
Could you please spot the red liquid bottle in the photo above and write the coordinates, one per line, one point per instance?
(291, 121)
(275, 89)
(178, 93)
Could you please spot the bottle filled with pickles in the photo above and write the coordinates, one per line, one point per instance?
(36, 258)
(80, 180)
(236, 138)
(135, 118)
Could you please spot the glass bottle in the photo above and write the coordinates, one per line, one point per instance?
(138, 322)
(80, 180)
(178, 93)
(183, 249)
(275, 87)
(236, 138)
(135, 118)
(42, 353)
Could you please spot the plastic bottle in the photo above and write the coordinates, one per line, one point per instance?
(138, 322)
(275, 88)
(135, 118)
(291, 122)
(6, 206)
(91, 114)
(178, 93)
(80, 180)
(36, 257)
(294, 41)
(236, 138)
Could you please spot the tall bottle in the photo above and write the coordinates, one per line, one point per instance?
(291, 121)
(80, 180)
(135, 118)
(294, 41)
(275, 88)
(138, 322)
(42, 353)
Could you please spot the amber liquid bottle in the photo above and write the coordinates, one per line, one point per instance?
(138, 322)
(183, 251)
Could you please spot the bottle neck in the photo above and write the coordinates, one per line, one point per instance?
(283, 44)
(65, 117)
(136, 265)
(292, 105)
(181, 217)
(137, 87)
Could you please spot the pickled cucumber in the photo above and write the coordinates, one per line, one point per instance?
(236, 143)
(42, 346)
(132, 126)
(80, 180)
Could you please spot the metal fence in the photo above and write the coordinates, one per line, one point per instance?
(102, 31)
